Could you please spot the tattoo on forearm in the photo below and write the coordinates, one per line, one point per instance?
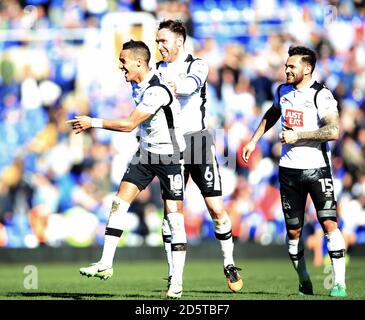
(327, 132)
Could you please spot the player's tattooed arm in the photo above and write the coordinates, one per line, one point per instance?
(330, 130)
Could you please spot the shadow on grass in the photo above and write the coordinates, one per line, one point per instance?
(64, 295)
(76, 295)
(315, 295)
(243, 292)
(153, 295)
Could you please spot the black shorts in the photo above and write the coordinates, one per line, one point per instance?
(141, 173)
(201, 163)
(296, 184)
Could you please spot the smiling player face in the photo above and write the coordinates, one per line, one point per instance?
(128, 65)
(296, 70)
(168, 44)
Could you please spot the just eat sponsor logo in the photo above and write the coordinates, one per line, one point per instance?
(293, 118)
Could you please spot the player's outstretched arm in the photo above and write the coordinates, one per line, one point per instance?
(129, 124)
(82, 123)
(269, 119)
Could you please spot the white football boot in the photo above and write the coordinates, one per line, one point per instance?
(174, 291)
(98, 270)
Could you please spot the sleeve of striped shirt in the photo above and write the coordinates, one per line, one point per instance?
(153, 98)
(326, 103)
(194, 79)
(276, 102)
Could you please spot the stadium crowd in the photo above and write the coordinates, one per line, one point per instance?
(52, 192)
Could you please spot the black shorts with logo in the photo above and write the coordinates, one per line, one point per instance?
(201, 163)
(296, 184)
(145, 166)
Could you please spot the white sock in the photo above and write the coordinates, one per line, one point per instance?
(178, 245)
(223, 232)
(166, 236)
(114, 230)
(336, 250)
(296, 253)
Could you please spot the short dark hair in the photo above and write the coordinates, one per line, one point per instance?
(140, 48)
(175, 26)
(308, 55)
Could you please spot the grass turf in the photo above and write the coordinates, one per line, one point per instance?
(265, 279)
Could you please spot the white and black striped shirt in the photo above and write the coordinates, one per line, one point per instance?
(161, 133)
(302, 110)
(189, 74)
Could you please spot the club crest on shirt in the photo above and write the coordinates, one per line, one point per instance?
(284, 100)
(308, 104)
(286, 205)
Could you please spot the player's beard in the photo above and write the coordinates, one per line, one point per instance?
(170, 55)
(294, 79)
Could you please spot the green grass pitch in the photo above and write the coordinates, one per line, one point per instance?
(266, 279)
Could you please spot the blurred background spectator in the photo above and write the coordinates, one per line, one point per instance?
(58, 58)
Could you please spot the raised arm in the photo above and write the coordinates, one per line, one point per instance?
(269, 119)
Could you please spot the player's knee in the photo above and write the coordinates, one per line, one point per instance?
(216, 212)
(294, 233)
(172, 206)
(327, 215)
(329, 225)
(215, 207)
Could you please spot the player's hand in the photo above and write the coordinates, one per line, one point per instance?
(288, 136)
(80, 123)
(247, 150)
